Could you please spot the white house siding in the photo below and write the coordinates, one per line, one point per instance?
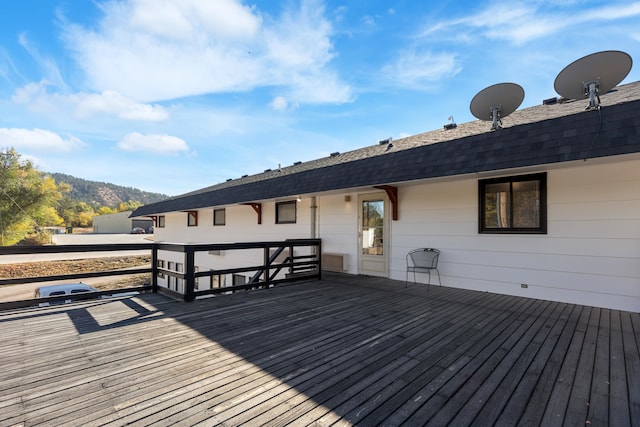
(591, 254)
(241, 225)
(338, 227)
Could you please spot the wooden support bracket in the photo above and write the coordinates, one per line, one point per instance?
(194, 218)
(258, 208)
(392, 193)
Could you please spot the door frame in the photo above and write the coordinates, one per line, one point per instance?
(374, 265)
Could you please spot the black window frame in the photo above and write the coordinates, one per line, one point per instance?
(219, 279)
(295, 212)
(161, 221)
(224, 217)
(160, 265)
(542, 220)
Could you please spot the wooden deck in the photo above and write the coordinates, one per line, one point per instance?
(345, 350)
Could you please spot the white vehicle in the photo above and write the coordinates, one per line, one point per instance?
(63, 289)
(69, 289)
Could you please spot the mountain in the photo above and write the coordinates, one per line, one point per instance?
(104, 194)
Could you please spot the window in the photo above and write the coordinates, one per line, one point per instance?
(160, 221)
(161, 266)
(218, 281)
(179, 281)
(192, 218)
(373, 227)
(286, 212)
(239, 280)
(513, 204)
(219, 217)
(171, 280)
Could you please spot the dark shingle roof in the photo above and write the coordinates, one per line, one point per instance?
(537, 135)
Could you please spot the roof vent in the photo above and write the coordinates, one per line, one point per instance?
(334, 154)
(267, 170)
(229, 180)
(297, 163)
(385, 141)
(244, 176)
(550, 101)
(451, 125)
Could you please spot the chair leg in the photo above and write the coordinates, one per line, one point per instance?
(429, 281)
(439, 281)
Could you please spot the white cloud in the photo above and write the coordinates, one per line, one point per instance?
(148, 50)
(279, 103)
(522, 22)
(154, 143)
(112, 103)
(83, 105)
(35, 96)
(48, 65)
(182, 19)
(415, 70)
(368, 20)
(8, 68)
(38, 139)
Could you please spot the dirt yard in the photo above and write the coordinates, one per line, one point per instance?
(48, 268)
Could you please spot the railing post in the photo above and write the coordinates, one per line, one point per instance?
(154, 268)
(319, 258)
(190, 279)
(291, 259)
(266, 266)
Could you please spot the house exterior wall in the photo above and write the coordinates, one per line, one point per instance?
(337, 227)
(241, 225)
(590, 254)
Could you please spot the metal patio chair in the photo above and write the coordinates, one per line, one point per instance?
(423, 260)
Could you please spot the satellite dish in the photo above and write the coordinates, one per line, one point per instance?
(497, 101)
(593, 74)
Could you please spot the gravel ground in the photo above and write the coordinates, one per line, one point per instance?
(35, 269)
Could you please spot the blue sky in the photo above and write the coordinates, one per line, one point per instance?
(171, 96)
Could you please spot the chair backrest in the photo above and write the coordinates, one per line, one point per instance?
(424, 257)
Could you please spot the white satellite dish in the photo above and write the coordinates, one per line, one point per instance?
(592, 75)
(497, 101)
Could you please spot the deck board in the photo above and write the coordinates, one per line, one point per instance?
(346, 350)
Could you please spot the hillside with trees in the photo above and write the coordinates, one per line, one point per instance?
(31, 200)
(98, 194)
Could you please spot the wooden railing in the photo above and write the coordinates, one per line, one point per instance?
(263, 275)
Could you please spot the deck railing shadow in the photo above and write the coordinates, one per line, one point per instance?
(346, 349)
